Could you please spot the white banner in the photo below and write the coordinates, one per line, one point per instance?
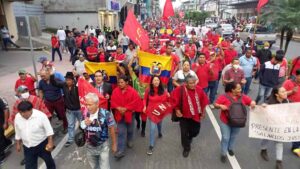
(279, 122)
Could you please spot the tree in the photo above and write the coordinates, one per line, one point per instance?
(196, 16)
(284, 16)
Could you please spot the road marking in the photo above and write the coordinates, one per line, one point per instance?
(233, 161)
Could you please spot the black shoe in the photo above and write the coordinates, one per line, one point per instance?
(2, 158)
(264, 155)
(185, 153)
(138, 126)
(230, 152)
(150, 150)
(119, 155)
(68, 144)
(160, 135)
(22, 162)
(8, 146)
(279, 164)
(143, 133)
(223, 159)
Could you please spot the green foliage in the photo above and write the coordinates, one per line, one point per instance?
(282, 14)
(198, 17)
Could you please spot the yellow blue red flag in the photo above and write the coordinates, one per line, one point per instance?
(109, 69)
(151, 64)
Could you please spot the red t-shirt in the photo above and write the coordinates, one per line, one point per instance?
(90, 50)
(95, 40)
(78, 41)
(225, 44)
(151, 50)
(163, 50)
(202, 71)
(290, 85)
(101, 57)
(175, 62)
(164, 36)
(223, 100)
(206, 51)
(190, 51)
(295, 62)
(54, 42)
(28, 82)
(229, 56)
(118, 57)
(216, 67)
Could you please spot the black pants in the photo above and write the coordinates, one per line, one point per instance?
(4, 142)
(31, 156)
(189, 129)
(53, 54)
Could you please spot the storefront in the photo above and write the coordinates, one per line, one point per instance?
(110, 15)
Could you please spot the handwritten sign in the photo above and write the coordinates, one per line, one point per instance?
(280, 122)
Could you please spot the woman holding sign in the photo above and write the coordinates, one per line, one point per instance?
(233, 116)
(155, 98)
(278, 96)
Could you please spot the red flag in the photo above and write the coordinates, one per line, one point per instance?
(260, 4)
(134, 30)
(84, 88)
(158, 112)
(168, 10)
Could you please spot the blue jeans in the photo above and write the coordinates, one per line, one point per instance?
(263, 93)
(247, 85)
(6, 41)
(53, 54)
(125, 47)
(72, 117)
(212, 89)
(152, 131)
(124, 129)
(98, 157)
(228, 137)
(31, 156)
(170, 85)
(205, 90)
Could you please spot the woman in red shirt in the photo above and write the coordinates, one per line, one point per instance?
(102, 55)
(229, 133)
(55, 47)
(154, 95)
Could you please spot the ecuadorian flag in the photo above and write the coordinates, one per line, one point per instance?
(151, 64)
(109, 68)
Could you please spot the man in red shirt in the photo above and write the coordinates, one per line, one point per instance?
(226, 43)
(118, 56)
(293, 91)
(190, 51)
(207, 49)
(295, 66)
(189, 101)
(151, 48)
(92, 52)
(175, 65)
(26, 79)
(94, 39)
(230, 54)
(203, 70)
(55, 47)
(164, 48)
(165, 35)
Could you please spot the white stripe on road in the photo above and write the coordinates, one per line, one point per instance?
(233, 161)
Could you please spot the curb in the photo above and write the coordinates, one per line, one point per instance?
(27, 49)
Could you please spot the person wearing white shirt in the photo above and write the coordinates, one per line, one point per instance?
(238, 45)
(101, 40)
(92, 30)
(79, 65)
(61, 34)
(34, 131)
(179, 77)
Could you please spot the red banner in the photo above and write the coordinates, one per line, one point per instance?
(84, 88)
(168, 10)
(159, 111)
(260, 4)
(134, 30)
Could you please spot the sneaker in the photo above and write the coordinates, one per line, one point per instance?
(160, 135)
(2, 158)
(129, 144)
(119, 155)
(264, 155)
(68, 143)
(22, 162)
(150, 150)
(223, 159)
(212, 106)
(230, 152)
(185, 153)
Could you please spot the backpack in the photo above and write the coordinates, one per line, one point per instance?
(237, 113)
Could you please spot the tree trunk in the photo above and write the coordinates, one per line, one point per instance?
(281, 37)
(289, 36)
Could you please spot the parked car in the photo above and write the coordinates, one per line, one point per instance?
(225, 30)
(262, 34)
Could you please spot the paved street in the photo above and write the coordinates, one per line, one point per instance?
(167, 154)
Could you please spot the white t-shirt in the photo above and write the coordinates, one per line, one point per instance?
(61, 34)
(101, 38)
(79, 66)
(180, 76)
(93, 31)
